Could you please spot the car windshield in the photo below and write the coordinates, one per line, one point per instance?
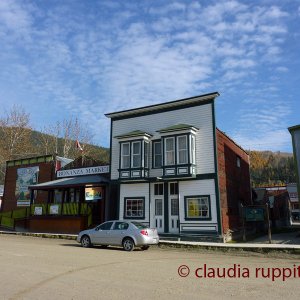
(139, 225)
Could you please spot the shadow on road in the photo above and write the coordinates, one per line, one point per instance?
(111, 248)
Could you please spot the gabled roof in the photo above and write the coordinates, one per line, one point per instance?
(133, 134)
(164, 106)
(177, 127)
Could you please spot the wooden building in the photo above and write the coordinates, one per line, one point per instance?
(176, 171)
(64, 201)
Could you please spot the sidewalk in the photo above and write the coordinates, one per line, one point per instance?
(254, 246)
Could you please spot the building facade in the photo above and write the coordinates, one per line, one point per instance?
(171, 164)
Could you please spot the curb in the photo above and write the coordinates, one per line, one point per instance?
(262, 248)
(42, 235)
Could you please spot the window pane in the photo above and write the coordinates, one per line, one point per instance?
(182, 149)
(158, 189)
(170, 158)
(105, 226)
(125, 162)
(146, 155)
(125, 149)
(182, 157)
(125, 156)
(136, 148)
(182, 144)
(121, 226)
(173, 188)
(136, 161)
(169, 144)
(170, 152)
(157, 155)
(193, 154)
(136, 154)
(158, 207)
(174, 207)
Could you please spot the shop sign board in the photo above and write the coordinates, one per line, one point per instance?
(93, 193)
(83, 171)
(254, 214)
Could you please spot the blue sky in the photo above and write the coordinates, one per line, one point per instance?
(60, 59)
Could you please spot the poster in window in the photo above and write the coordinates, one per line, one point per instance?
(193, 209)
(93, 193)
(25, 178)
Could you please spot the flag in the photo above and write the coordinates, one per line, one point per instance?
(78, 146)
(60, 162)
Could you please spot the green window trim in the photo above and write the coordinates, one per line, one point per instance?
(194, 217)
(126, 209)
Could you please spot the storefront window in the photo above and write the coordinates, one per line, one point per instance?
(197, 207)
(134, 208)
(58, 196)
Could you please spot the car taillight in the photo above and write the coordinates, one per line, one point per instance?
(144, 232)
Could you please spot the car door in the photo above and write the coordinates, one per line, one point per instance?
(118, 232)
(102, 233)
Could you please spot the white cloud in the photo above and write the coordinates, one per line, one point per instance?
(88, 65)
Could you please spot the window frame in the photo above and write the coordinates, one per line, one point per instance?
(160, 184)
(184, 149)
(194, 218)
(165, 150)
(121, 155)
(154, 154)
(193, 149)
(139, 154)
(146, 150)
(126, 217)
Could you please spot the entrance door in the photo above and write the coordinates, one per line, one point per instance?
(173, 208)
(158, 207)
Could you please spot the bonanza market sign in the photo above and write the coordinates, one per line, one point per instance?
(25, 178)
(83, 171)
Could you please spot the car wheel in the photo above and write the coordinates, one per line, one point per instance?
(146, 247)
(86, 241)
(128, 244)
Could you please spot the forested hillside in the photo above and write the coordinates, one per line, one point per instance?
(271, 168)
(19, 140)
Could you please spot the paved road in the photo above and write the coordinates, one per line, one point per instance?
(37, 268)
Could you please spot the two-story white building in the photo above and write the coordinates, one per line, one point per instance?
(164, 158)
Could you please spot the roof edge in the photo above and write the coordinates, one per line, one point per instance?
(161, 105)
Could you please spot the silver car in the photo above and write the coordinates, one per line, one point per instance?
(128, 234)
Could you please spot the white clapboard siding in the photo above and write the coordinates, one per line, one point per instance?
(197, 188)
(134, 190)
(198, 116)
